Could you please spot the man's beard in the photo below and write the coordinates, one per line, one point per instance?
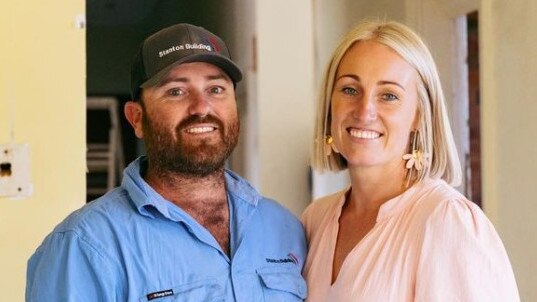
(190, 157)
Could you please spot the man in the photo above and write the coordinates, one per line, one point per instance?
(180, 226)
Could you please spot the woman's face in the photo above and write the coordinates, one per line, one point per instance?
(374, 106)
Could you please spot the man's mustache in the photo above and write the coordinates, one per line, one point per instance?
(196, 119)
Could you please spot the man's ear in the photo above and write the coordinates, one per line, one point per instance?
(133, 113)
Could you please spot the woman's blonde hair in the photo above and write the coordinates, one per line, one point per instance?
(434, 132)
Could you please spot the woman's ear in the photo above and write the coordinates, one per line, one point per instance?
(134, 114)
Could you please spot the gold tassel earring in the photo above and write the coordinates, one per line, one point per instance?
(329, 146)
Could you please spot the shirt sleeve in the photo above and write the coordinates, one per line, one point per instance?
(462, 258)
(68, 268)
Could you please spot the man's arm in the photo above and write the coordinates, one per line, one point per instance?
(68, 268)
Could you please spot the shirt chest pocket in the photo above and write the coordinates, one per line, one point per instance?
(207, 290)
(282, 284)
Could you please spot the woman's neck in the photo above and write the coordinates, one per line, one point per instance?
(372, 187)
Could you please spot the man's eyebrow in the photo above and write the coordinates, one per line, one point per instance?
(219, 76)
(170, 80)
(357, 78)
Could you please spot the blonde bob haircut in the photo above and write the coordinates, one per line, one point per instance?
(434, 132)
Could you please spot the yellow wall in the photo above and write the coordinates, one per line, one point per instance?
(508, 50)
(42, 69)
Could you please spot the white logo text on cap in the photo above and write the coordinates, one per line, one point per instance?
(168, 51)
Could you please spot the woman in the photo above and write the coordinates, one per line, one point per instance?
(400, 232)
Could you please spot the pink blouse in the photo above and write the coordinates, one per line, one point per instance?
(428, 244)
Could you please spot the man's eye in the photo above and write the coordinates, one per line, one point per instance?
(176, 92)
(349, 91)
(216, 90)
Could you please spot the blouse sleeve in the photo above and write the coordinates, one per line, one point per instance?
(306, 219)
(462, 258)
(313, 215)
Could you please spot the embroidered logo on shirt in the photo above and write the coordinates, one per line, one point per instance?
(290, 258)
(160, 294)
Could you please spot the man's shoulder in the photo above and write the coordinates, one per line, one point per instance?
(97, 214)
(243, 190)
(275, 214)
(271, 206)
(89, 229)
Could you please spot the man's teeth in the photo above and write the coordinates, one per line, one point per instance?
(200, 129)
(364, 134)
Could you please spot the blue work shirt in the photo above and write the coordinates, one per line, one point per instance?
(133, 245)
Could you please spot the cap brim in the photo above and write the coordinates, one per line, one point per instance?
(223, 63)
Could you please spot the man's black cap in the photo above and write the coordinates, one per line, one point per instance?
(174, 45)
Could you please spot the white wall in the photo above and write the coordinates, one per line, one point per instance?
(42, 69)
(508, 50)
(285, 97)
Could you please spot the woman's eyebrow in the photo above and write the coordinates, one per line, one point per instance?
(357, 78)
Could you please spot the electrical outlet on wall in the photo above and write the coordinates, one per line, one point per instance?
(15, 171)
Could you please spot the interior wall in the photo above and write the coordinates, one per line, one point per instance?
(240, 30)
(42, 71)
(285, 86)
(380, 9)
(508, 48)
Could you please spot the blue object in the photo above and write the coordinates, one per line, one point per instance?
(133, 245)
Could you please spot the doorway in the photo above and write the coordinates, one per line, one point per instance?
(474, 122)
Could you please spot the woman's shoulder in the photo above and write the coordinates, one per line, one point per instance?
(460, 249)
(321, 208)
(446, 208)
(324, 204)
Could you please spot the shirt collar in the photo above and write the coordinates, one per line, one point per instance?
(148, 202)
(399, 203)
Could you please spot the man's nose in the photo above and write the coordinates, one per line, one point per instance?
(199, 105)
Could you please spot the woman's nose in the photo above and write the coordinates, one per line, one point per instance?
(366, 109)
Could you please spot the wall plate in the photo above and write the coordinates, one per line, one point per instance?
(15, 171)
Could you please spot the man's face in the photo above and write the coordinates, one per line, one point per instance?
(189, 121)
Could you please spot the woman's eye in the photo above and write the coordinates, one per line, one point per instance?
(349, 91)
(389, 97)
